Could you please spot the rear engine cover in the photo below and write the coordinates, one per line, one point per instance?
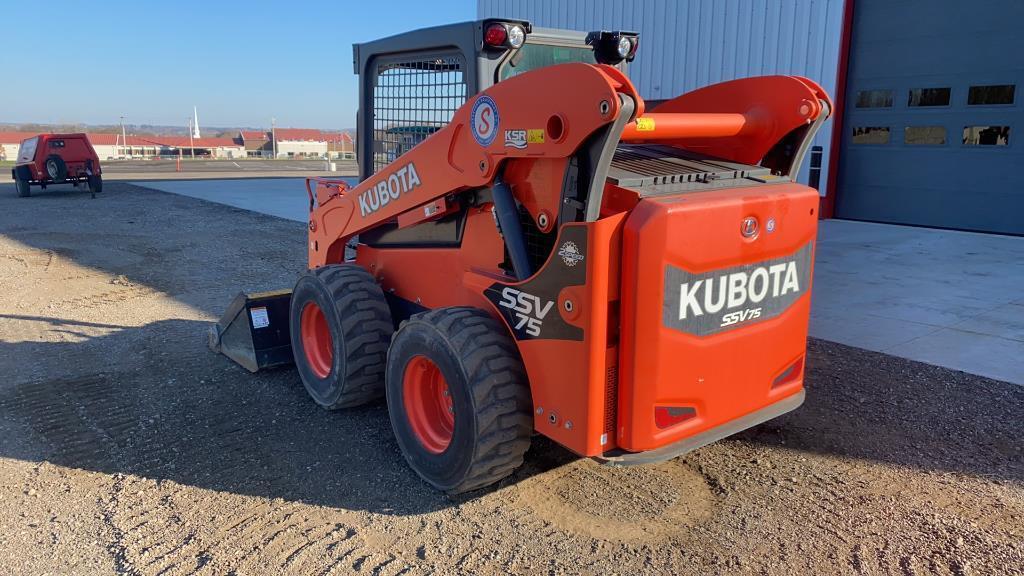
(715, 305)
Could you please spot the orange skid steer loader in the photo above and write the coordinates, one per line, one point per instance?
(532, 249)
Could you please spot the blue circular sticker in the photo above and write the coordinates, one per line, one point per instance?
(483, 121)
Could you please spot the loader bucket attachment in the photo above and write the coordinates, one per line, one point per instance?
(254, 330)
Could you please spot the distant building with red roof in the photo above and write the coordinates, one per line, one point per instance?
(305, 142)
(290, 143)
(109, 146)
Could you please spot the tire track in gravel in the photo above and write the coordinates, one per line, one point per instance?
(79, 418)
(183, 534)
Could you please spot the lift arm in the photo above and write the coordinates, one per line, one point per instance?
(550, 113)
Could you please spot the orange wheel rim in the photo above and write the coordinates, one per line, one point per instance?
(428, 404)
(316, 340)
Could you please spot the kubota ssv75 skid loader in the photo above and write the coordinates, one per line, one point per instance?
(531, 249)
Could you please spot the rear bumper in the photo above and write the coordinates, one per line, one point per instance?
(685, 445)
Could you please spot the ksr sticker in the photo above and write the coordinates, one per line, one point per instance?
(483, 121)
(522, 138)
(644, 124)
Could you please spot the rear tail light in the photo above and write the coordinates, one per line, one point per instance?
(666, 416)
(505, 34)
(495, 35)
(790, 374)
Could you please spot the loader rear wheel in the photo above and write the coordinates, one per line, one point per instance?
(340, 330)
(458, 398)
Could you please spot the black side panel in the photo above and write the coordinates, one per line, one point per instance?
(531, 308)
(444, 232)
(402, 309)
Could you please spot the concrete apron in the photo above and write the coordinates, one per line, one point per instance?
(949, 298)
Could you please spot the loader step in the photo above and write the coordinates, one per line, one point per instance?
(654, 170)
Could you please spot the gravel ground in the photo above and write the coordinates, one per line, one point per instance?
(126, 446)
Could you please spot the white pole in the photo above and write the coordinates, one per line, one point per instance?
(191, 142)
(273, 137)
(124, 139)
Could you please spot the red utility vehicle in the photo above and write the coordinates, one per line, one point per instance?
(57, 159)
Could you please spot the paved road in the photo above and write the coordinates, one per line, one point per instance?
(164, 166)
(281, 197)
(198, 169)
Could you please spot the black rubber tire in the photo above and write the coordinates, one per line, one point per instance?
(95, 184)
(56, 169)
(24, 190)
(360, 324)
(489, 391)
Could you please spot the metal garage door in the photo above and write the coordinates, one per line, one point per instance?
(934, 125)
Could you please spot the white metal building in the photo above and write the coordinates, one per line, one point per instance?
(312, 143)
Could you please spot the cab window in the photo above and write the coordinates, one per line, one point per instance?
(27, 150)
(533, 56)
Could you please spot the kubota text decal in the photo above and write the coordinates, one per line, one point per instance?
(401, 181)
(712, 302)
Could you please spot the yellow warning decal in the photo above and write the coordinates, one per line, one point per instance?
(645, 124)
(535, 136)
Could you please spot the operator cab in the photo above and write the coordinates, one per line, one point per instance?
(548, 47)
(412, 84)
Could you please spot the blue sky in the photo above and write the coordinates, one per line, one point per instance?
(241, 63)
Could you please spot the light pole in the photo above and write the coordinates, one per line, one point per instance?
(191, 142)
(124, 139)
(273, 136)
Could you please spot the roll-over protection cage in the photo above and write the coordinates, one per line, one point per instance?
(410, 85)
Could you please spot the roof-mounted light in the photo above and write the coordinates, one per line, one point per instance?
(516, 36)
(624, 47)
(614, 47)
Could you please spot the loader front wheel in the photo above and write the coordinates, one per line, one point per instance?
(458, 398)
(340, 330)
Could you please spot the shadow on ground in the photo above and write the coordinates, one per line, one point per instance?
(188, 415)
(871, 406)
